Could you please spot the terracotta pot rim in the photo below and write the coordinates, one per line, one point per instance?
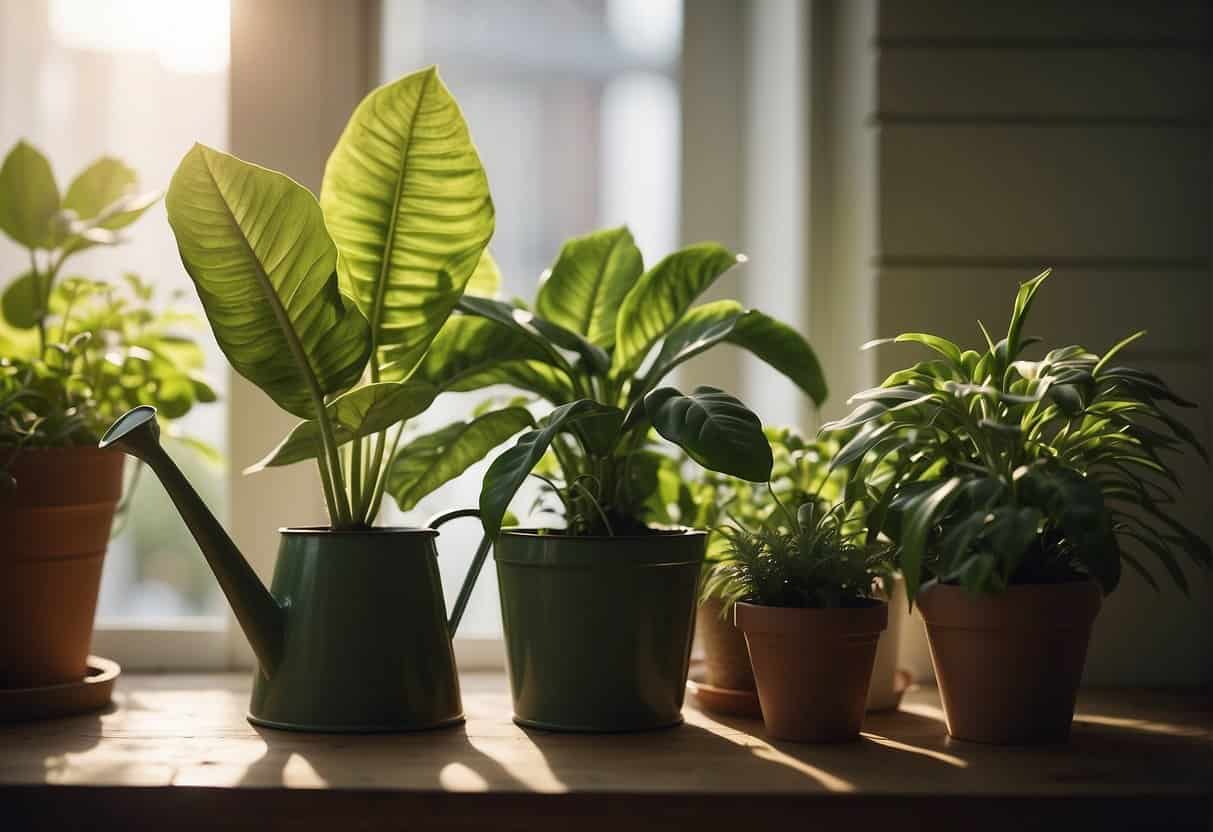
(1027, 607)
(872, 618)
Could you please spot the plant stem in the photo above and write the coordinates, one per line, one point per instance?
(36, 277)
(356, 474)
(380, 478)
(327, 483)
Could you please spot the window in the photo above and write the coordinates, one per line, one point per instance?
(574, 106)
(140, 80)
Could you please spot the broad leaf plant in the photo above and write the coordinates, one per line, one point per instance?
(1006, 470)
(601, 335)
(328, 305)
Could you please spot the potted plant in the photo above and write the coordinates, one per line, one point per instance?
(803, 471)
(1019, 489)
(329, 306)
(804, 593)
(598, 614)
(74, 353)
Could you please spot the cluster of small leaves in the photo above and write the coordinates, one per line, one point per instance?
(1005, 470)
(686, 495)
(114, 347)
(807, 560)
(76, 352)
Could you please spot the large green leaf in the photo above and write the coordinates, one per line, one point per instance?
(541, 331)
(29, 197)
(919, 516)
(407, 202)
(783, 348)
(537, 377)
(468, 345)
(728, 321)
(20, 302)
(511, 468)
(363, 411)
(700, 328)
(254, 243)
(436, 458)
(662, 296)
(486, 277)
(588, 283)
(715, 429)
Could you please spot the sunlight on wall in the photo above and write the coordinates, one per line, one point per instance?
(185, 36)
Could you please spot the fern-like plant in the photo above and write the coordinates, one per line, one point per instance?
(804, 560)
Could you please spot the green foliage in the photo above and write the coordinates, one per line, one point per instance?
(78, 352)
(597, 319)
(688, 495)
(804, 559)
(1007, 470)
(328, 306)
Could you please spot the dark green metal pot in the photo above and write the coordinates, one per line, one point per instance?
(598, 629)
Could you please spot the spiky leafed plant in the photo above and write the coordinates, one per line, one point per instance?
(802, 560)
(1007, 470)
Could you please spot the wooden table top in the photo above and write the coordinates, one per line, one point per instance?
(1133, 754)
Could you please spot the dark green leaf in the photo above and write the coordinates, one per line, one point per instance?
(511, 468)
(715, 429)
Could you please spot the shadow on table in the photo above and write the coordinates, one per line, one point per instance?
(729, 753)
(437, 759)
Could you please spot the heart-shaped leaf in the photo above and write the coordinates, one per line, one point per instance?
(588, 283)
(436, 458)
(715, 429)
(407, 202)
(255, 245)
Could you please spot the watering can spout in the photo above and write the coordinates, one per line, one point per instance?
(260, 616)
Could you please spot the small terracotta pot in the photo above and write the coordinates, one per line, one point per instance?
(1008, 666)
(726, 659)
(56, 525)
(812, 667)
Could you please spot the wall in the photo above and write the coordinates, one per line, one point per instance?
(1074, 135)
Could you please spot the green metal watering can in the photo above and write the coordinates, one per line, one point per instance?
(353, 635)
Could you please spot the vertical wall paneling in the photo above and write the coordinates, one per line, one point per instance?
(1014, 136)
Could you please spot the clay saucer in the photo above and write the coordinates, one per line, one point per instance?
(92, 693)
(722, 701)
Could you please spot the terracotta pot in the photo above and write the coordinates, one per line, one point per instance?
(1008, 666)
(726, 659)
(812, 667)
(56, 526)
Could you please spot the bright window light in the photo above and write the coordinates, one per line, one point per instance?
(188, 36)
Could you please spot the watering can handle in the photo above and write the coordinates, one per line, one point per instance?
(469, 581)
